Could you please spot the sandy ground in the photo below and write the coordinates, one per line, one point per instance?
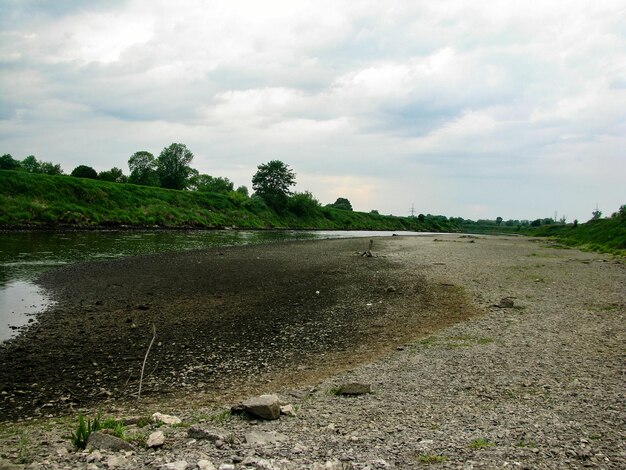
(457, 381)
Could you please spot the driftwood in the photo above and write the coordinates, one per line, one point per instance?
(143, 366)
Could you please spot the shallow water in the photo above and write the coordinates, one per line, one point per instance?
(26, 255)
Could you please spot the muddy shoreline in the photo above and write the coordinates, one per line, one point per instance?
(229, 322)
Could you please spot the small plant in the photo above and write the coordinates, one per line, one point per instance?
(116, 427)
(480, 443)
(334, 391)
(221, 416)
(526, 444)
(429, 459)
(80, 437)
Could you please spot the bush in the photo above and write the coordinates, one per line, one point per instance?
(303, 204)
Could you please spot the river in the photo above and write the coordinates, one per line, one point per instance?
(26, 255)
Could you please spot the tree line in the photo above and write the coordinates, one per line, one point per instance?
(172, 169)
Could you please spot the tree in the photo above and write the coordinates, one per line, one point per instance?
(303, 204)
(243, 190)
(31, 165)
(498, 220)
(142, 166)
(342, 203)
(272, 182)
(597, 214)
(84, 171)
(210, 184)
(49, 168)
(115, 175)
(8, 163)
(173, 166)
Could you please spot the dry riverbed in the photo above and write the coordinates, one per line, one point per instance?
(456, 380)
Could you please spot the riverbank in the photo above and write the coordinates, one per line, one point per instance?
(539, 383)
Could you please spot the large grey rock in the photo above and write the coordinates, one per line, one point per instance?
(264, 406)
(179, 465)
(205, 465)
(102, 441)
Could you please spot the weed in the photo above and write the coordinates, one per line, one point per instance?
(480, 443)
(595, 437)
(221, 417)
(144, 421)
(429, 458)
(117, 427)
(526, 444)
(334, 391)
(80, 437)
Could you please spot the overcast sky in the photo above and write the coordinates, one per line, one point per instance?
(474, 109)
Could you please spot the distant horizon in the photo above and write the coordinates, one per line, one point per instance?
(474, 111)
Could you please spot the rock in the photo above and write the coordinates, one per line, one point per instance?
(506, 302)
(287, 410)
(205, 465)
(103, 441)
(354, 388)
(264, 438)
(227, 466)
(264, 406)
(179, 465)
(156, 439)
(165, 419)
(116, 461)
(391, 289)
(196, 432)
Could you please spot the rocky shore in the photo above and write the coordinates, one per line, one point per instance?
(482, 352)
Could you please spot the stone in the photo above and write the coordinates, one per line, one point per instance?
(178, 465)
(116, 461)
(227, 466)
(264, 438)
(205, 465)
(6, 465)
(354, 388)
(196, 432)
(287, 410)
(165, 419)
(102, 441)
(264, 406)
(156, 439)
(506, 302)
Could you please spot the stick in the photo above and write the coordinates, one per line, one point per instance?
(145, 359)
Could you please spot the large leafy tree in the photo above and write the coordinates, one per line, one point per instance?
(50, 168)
(7, 162)
(272, 182)
(84, 171)
(342, 203)
(211, 184)
(31, 165)
(114, 175)
(142, 166)
(173, 166)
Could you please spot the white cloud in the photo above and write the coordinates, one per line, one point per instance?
(368, 98)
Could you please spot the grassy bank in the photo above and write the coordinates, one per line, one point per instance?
(602, 235)
(37, 200)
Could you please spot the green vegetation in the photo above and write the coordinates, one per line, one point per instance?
(430, 459)
(80, 437)
(603, 235)
(39, 200)
(480, 443)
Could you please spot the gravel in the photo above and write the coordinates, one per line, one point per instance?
(533, 383)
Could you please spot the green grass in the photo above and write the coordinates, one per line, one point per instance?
(431, 459)
(37, 200)
(480, 443)
(602, 235)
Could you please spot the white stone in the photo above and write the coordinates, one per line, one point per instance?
(287, 410)
(205, 465)
(156, 439)
(179, 465)
(165, 419)
(116, 461)
(263, 438)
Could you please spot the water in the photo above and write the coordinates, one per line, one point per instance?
(25, 255)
